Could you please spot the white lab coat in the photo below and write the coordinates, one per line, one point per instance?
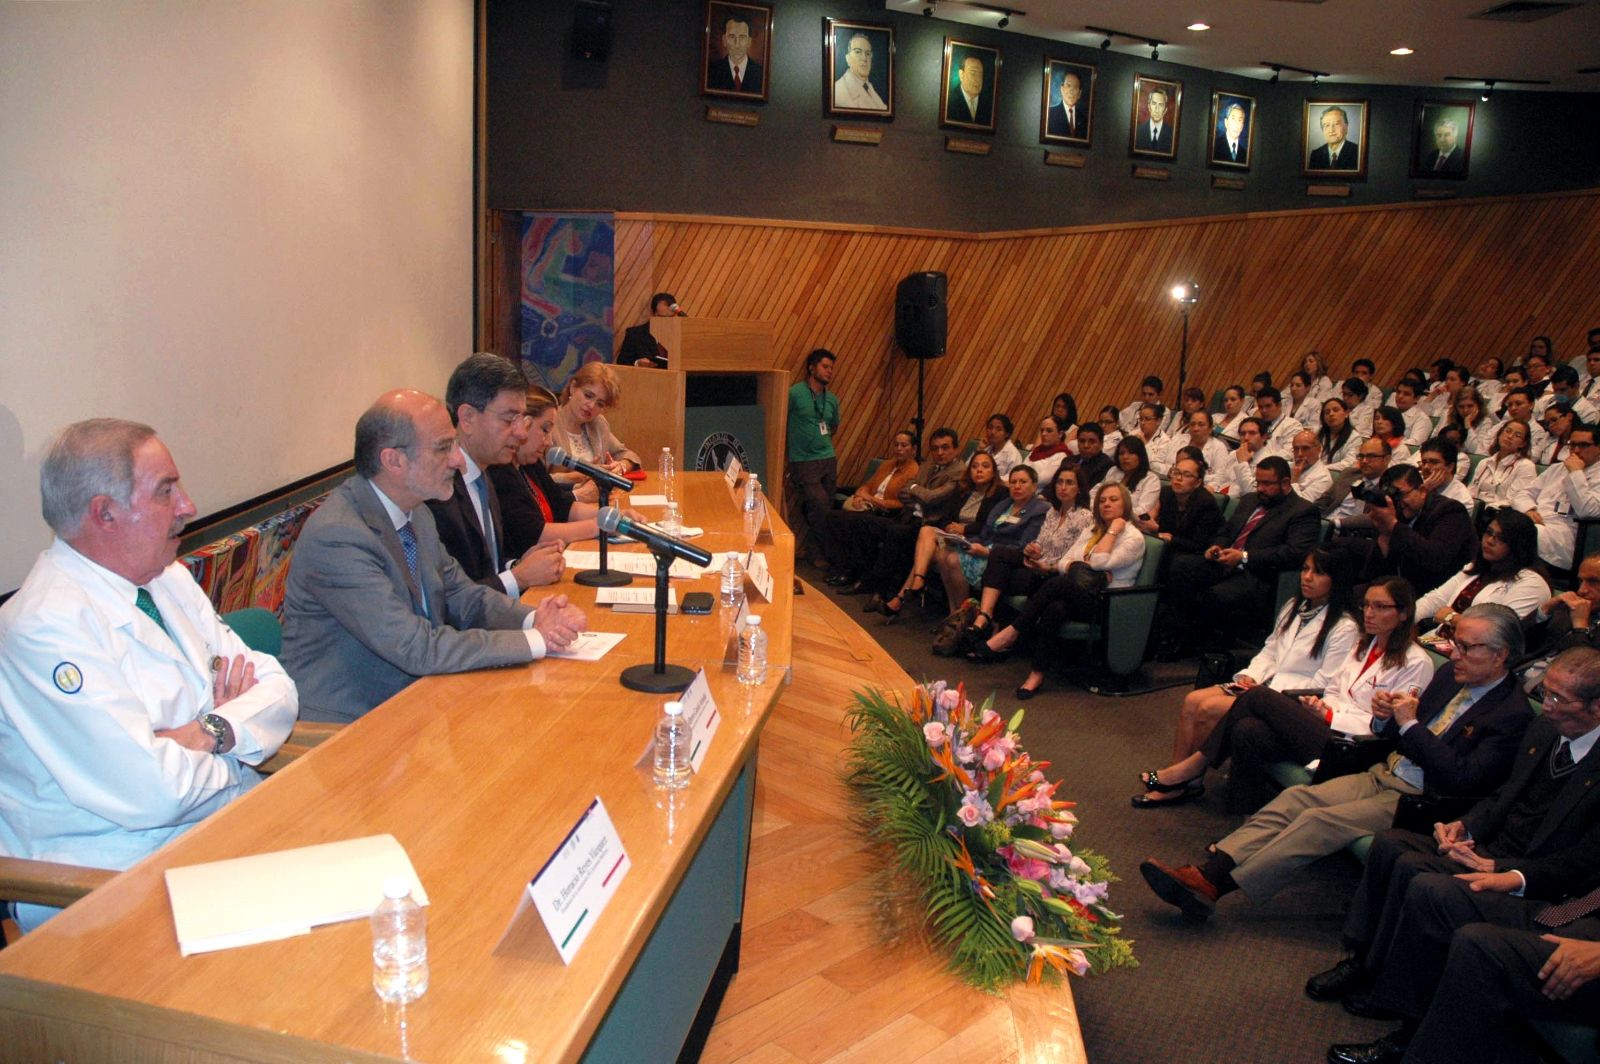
(86, 680)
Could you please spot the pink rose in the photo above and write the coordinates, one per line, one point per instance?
(1060, 829)
(994, 757)
(949, 699)
(934, 732)
(1077, 962)
(970, 816)
(1022, 929)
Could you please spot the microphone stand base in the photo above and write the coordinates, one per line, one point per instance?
(602, 578)
(644, 677)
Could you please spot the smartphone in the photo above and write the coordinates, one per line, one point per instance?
(697, 602)
(1234, 688)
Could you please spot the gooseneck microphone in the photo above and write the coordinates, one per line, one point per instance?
(610, 519)
(558, 456)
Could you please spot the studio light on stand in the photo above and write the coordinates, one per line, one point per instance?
(1185, 296)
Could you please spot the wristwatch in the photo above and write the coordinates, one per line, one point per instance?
(219, 729)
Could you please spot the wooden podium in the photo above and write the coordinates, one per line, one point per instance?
(651, 414)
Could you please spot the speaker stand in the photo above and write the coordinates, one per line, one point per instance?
(917, 422)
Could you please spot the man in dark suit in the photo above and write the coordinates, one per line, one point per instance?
(1230, 145)
(373, 599)
(734, 70)
(1339, 153)
(487, 398)
(639, 347)
(971, 98)
(1459, 737)
(1419, 535)
(1446, 156)
(1155, 134)
(1535, 841)
(1068, 116)
(1231, 586)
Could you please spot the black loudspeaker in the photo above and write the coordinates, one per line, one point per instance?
(919, 314)
(591, 31)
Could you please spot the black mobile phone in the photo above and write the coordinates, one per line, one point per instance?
(697, 602)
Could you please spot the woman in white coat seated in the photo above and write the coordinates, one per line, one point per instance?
(1506, 570)
(1506, 471)
(1316, 631)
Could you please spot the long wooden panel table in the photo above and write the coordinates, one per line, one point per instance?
(479, 775)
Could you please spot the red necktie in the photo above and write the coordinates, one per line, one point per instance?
(1568, 911)
(1250, 526)
(738, 80)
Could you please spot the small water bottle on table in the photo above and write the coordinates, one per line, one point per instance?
(399, 944)
(668, 470)
(672, 768)
(753, 652)
(732, 586)
(671, 523)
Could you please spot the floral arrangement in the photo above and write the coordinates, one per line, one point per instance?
(977, 826)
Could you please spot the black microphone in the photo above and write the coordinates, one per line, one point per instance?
(610, 519)
(559, 456)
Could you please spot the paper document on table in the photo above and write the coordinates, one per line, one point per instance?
(633, 563)
(648, 500)
(588, 646)
(270, 896)
(633, 599)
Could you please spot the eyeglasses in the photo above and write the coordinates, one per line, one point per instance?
(1183, 474)
(1379, 606)
(1466, 647)
(1550, 698)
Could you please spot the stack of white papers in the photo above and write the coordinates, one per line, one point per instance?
(279, 895)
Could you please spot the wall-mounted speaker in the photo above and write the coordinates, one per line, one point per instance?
(919, 314)
(591, 31)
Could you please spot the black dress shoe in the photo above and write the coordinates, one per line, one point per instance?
(1341, 980)
(1368, 1007)
(839, 580)
(873, 604)
(1025, 693)
(1384, 1051)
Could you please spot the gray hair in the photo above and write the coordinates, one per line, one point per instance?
(86, 459)
(1505, 627)
(479, 379)
(1583, 665)
(382, 425)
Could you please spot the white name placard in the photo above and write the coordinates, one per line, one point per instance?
(700, 710)
(735, 467)
(761, 575)
(579, 879)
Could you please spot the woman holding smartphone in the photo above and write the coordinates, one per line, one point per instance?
(1264, 726)
(1315, 632)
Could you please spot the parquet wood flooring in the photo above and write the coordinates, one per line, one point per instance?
(833, 969)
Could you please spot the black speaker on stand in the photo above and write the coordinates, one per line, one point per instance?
(919, 327)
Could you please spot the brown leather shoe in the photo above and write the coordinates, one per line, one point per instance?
(1183, 886)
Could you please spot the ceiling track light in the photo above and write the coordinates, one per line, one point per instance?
(1155, 51)
(1488, 90)
(1108, 34)
(1005, 20)
(1105, 44)
(1278, 68)
(1276, 71)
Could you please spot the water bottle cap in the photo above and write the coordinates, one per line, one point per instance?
(396, 887)
(752, 620)
(673, 709)
(666, 450)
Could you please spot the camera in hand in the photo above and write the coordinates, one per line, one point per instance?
(1382, 495)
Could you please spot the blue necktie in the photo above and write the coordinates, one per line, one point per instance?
(408, 542)
(486, 521)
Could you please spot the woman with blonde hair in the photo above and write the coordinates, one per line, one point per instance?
(581, 428)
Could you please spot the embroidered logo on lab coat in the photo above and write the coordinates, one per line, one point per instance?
(68, 678)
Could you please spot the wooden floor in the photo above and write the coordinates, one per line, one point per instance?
(834, 969)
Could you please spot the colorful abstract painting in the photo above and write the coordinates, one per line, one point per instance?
(567, 280)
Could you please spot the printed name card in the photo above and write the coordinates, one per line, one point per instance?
(735, 467)
(700, 711)
(580, 878)
(760, 575)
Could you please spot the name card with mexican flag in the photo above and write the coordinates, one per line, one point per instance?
(579, 880)
(700, 711)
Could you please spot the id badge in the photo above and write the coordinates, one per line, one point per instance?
(822, 428)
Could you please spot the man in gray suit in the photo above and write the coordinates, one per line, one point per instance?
(374, 601)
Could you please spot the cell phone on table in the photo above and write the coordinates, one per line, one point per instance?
(697, 602)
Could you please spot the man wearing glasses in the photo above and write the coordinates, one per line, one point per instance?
(1458, 737)
(487, 397)
(853, 91)
(1416, 534)
(1563, 494)
(1510, 861)
(1371, 461)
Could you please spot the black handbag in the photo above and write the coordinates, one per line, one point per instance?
(1344, 755)
(1419, 812)
(1215, 668)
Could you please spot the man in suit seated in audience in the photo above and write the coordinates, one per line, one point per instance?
(1091, 461)
(1459, 737)
(1409, 531)
(487, 397)
(128, 710)
(1230, 587)
(374, 600)
(1536, 840)
(1343, 501)
(1307, 472)
(872, 543)
(1562, 494)
(1568, 619)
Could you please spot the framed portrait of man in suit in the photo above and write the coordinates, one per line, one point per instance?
(1233, 130)
(970, 87)
(858, 73)
(1441, 139)
(1156, 106)
(1333, 139)
(1067, 111)
(738, 51)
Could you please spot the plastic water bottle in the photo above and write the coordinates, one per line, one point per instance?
(399, 944)
(732, 581)
(752, 493)
(669, 478)
(672, 748)
(671, 523)
(753, 652)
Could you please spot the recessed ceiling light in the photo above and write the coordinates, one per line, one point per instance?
(1198, 26)
(1400, 51)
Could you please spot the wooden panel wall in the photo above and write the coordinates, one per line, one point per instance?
(1087, 310)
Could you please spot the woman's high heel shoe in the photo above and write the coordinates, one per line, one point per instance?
(1152, 782)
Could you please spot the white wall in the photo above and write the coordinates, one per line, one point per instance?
(237, 221)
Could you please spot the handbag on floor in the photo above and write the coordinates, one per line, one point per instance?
(947, 640)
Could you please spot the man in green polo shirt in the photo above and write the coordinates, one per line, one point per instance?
(813, 464)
